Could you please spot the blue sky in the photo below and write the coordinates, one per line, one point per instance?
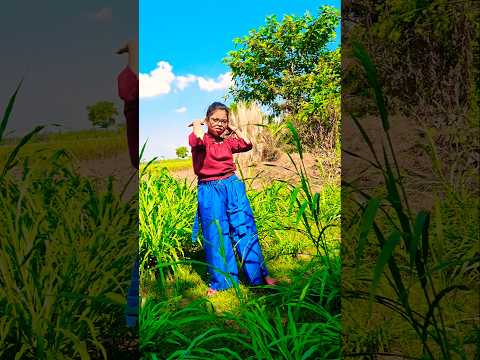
(182, 45)
(65, 53)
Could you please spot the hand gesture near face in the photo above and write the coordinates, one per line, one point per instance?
(197, 127)
(197, 122)
(130, 48)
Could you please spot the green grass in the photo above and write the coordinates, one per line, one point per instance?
(66, 251)
(83, 145)
(66, 254)
(418, 269)
(171, 165)
(293, 321)
(61, 136)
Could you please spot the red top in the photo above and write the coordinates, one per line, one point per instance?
(127, 85)
(128, 91)
(212, 157)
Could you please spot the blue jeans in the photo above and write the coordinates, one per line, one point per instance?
(225, 215)
(131, 310)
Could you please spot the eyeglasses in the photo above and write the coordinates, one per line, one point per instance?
(219, 121)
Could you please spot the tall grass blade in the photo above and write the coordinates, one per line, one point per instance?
(420, 223)
(385, 255)
(296, 138)
(361, 54)
(436, 303)
(425, 237)
(366, 224)
(301, 210)
(362, 158)
(395, 199)
(11, 158)
(367, 139)
(8, 111)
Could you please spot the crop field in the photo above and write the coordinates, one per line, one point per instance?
(66, 251)
(83, 145)
(410, 268)
(171, 165)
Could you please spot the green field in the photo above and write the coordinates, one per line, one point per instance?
(66, 253)
(66, 249)
(83, 145)
(171, 165)
(364, 273)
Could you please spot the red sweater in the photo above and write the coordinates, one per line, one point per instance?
(128, 91)
(212, 157)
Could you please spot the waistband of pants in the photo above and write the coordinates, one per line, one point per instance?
(215, 182)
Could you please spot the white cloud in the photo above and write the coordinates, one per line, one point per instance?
(161, 80)
(184, 81)
(223, 81)
(158, 81)
(181, 109)
(102, 15)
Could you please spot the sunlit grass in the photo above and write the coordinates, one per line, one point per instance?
(66, 250)
(171, 165)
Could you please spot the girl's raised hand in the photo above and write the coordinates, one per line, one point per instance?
(130, 48)
(197, 122)
(231, 128)
(197, 127)
(123, 49)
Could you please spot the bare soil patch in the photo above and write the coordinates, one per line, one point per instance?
(321, 169)
(409, 142)
(117, 166)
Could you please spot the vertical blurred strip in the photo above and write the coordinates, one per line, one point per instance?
(410, 179)
(68, 181)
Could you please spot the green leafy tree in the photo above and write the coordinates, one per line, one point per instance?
(102, 114)
(182, 152)
(286, 65)
(415, 46)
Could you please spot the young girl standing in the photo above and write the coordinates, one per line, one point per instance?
(223, 208)
(128, 92)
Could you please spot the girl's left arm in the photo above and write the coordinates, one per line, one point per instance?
(239, 143)
(240, 134)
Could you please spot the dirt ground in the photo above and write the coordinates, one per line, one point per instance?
(321, 169)
(409, 142)
(408, 139)
(118, 167)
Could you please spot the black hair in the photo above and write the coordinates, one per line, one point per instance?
(217, 106)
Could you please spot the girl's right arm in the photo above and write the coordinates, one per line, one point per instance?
(195, 138)
(197, 128)
(131, 47)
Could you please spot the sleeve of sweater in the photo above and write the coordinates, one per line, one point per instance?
(194, 141)
(238, 145)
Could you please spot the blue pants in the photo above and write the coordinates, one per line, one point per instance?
(131, 310)
(225, 216)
